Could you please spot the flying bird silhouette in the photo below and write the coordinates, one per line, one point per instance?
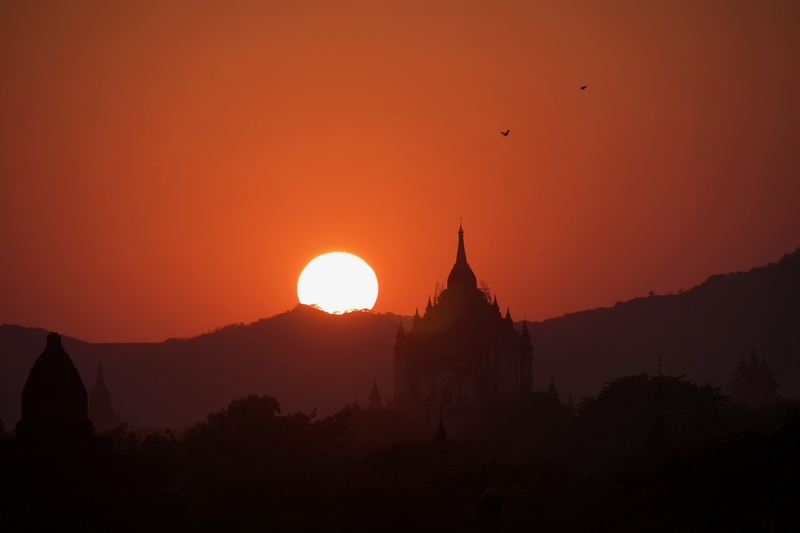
(582, 88)
(504, 133)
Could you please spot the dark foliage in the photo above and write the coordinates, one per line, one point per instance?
(623, 412)
(528, 430)
(249, 467)
(248, 463)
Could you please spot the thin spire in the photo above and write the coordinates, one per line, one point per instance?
(461, 255)
(441, 434)
(400, 338)
(525, 336)
(552, 391)
(99, 382)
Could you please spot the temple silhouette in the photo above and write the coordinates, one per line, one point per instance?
(54, 400)
(442, 473)
(375, 397)
(461, 353)
(60, 472)
(753, 384)
(101, 413)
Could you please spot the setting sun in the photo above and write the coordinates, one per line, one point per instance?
(338, 282)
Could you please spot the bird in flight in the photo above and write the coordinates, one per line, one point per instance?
(505, 133)
(582, 88)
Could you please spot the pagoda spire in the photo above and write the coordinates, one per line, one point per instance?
(441, 472)
(375, 397)
(552, 390)
(401, 337)
(461, 254)
(525, 336)
(571, 410)
(441, 434)
(99, 381)
(461, 277)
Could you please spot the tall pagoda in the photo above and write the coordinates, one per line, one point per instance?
(462, 352)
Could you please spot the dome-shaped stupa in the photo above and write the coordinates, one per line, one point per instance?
(54, 400)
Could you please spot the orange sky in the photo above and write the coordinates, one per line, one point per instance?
(169, 167)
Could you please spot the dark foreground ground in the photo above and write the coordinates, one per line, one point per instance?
(604, 467)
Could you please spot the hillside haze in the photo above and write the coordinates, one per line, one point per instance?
(702, 332)
(309, 359)
(306, 358)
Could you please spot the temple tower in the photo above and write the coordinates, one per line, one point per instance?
(462, 352)
(375, 397)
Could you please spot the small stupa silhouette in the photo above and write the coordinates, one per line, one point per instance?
(375, 397)
(101, 413)
(441, 474)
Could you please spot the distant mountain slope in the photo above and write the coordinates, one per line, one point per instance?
(307, 358)
(702, 332)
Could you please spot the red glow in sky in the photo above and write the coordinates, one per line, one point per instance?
(169, 167)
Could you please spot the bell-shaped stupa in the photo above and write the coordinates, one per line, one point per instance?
(54, 400)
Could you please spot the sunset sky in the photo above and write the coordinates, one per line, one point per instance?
(170, 167)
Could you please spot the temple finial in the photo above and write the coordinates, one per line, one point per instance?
(461, 254)
(99, 381)
(441, 434)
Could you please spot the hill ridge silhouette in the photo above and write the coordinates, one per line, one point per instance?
(309, 359)
(701, 332)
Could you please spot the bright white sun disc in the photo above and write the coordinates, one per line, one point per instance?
(338, 282)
